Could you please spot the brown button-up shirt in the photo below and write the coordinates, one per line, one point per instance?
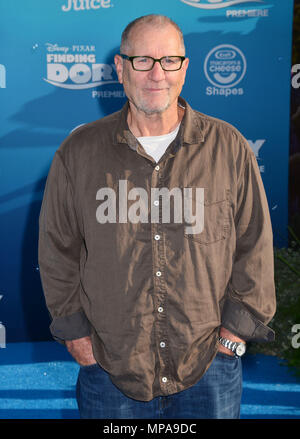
(151, 294)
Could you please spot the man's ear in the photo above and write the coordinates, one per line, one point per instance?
(119, 67)
(186, 64)
(185, 67)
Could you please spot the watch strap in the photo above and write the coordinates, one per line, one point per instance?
(231, 345)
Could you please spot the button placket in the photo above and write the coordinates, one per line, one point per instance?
(160, 289)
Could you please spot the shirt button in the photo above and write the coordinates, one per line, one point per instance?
(162, 344)
(164, 379)
(157, 237)
(158, 273)
(157, 168)
(156, 203)
(160, 309)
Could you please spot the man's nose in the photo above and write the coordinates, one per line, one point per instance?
(157, 73)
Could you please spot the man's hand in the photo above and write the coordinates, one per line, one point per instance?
(227, 334)
(81, 350)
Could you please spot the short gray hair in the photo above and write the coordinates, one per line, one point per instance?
(153, 19)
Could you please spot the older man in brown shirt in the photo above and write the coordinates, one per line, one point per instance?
(155, 246)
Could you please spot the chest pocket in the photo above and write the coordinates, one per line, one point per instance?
(213, 214)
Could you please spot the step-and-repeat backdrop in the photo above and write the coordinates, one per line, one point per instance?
(57, 72)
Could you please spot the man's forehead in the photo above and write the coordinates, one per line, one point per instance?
(147, 30)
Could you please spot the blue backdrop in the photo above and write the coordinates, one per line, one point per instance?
(57, 72)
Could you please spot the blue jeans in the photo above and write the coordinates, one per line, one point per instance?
(217, 395)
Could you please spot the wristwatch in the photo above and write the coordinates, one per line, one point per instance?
(238, 348)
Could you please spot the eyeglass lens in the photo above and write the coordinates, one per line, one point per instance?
(167, 63)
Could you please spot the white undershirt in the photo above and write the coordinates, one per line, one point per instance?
(155, 146)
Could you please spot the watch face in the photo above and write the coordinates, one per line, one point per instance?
(240, 350)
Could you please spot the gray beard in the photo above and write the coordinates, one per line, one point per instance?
(150, 111)
(142, 106)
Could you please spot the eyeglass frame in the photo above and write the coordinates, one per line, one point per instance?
(131, 58)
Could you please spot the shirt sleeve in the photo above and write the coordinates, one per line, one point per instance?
(250, 300)
(60, 246)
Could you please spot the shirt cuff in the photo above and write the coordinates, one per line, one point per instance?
(70, 327)
(238, 320)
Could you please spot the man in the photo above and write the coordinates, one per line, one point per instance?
(154, 301)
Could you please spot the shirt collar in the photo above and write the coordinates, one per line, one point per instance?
(192, 125)
(191, 131)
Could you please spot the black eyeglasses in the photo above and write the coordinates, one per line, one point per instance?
(145, 63)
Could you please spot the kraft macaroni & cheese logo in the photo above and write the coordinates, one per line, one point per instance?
(224, 67)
